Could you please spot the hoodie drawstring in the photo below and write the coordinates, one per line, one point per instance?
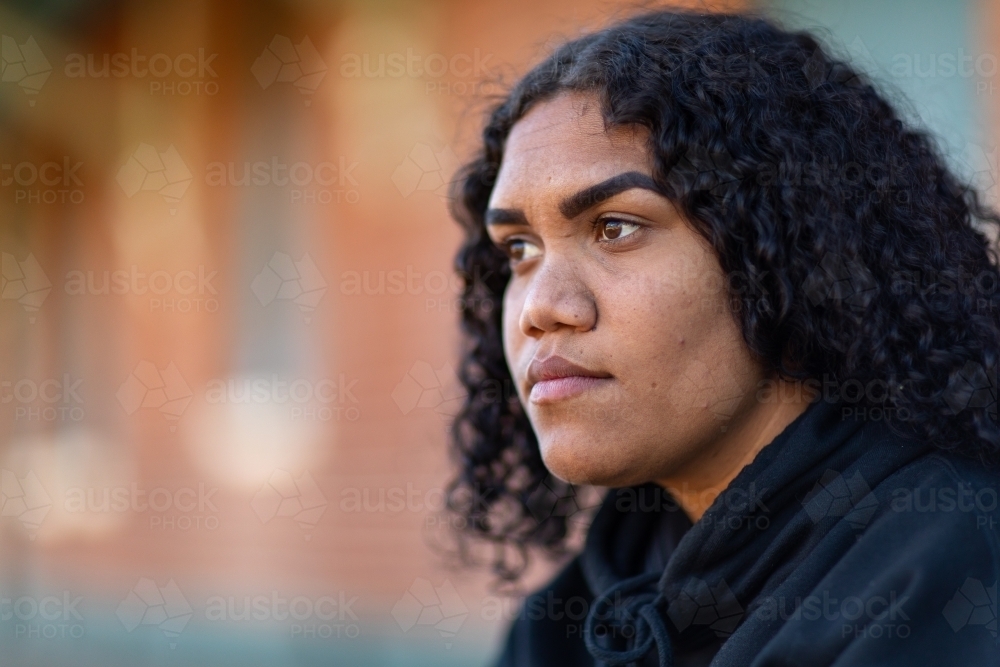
(644, 606)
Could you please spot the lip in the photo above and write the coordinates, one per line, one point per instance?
(555, 378)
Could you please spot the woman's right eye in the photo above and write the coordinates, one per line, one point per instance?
(519, 250)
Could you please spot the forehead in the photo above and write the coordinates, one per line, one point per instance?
(561, 144)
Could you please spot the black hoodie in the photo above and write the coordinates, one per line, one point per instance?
(842, 543)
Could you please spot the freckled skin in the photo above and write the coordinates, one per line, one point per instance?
(647, 307)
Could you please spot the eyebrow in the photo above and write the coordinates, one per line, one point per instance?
(506, 216)
(577, 203)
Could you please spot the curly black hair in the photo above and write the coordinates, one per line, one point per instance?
(856, 257)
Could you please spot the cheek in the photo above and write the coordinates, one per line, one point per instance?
(513, 339)
(704, 363)
(689, 298)
(666, 307)
(675, 334)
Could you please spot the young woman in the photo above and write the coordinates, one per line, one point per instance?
(724, 279)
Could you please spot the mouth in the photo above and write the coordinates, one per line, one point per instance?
(555, 379)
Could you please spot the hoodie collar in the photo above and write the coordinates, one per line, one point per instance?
(777, 504)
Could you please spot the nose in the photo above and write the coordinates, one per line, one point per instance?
(557, 297)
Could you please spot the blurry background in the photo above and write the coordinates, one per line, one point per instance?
(228, 317)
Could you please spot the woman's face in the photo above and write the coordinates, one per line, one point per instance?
(617, 330)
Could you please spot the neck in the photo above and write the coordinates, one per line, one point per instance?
(700, 482)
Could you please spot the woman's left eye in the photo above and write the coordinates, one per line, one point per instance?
(612, 230)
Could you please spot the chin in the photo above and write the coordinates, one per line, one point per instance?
(579, 459)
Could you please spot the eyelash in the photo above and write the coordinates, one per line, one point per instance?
(601, 221)
(505, 245)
